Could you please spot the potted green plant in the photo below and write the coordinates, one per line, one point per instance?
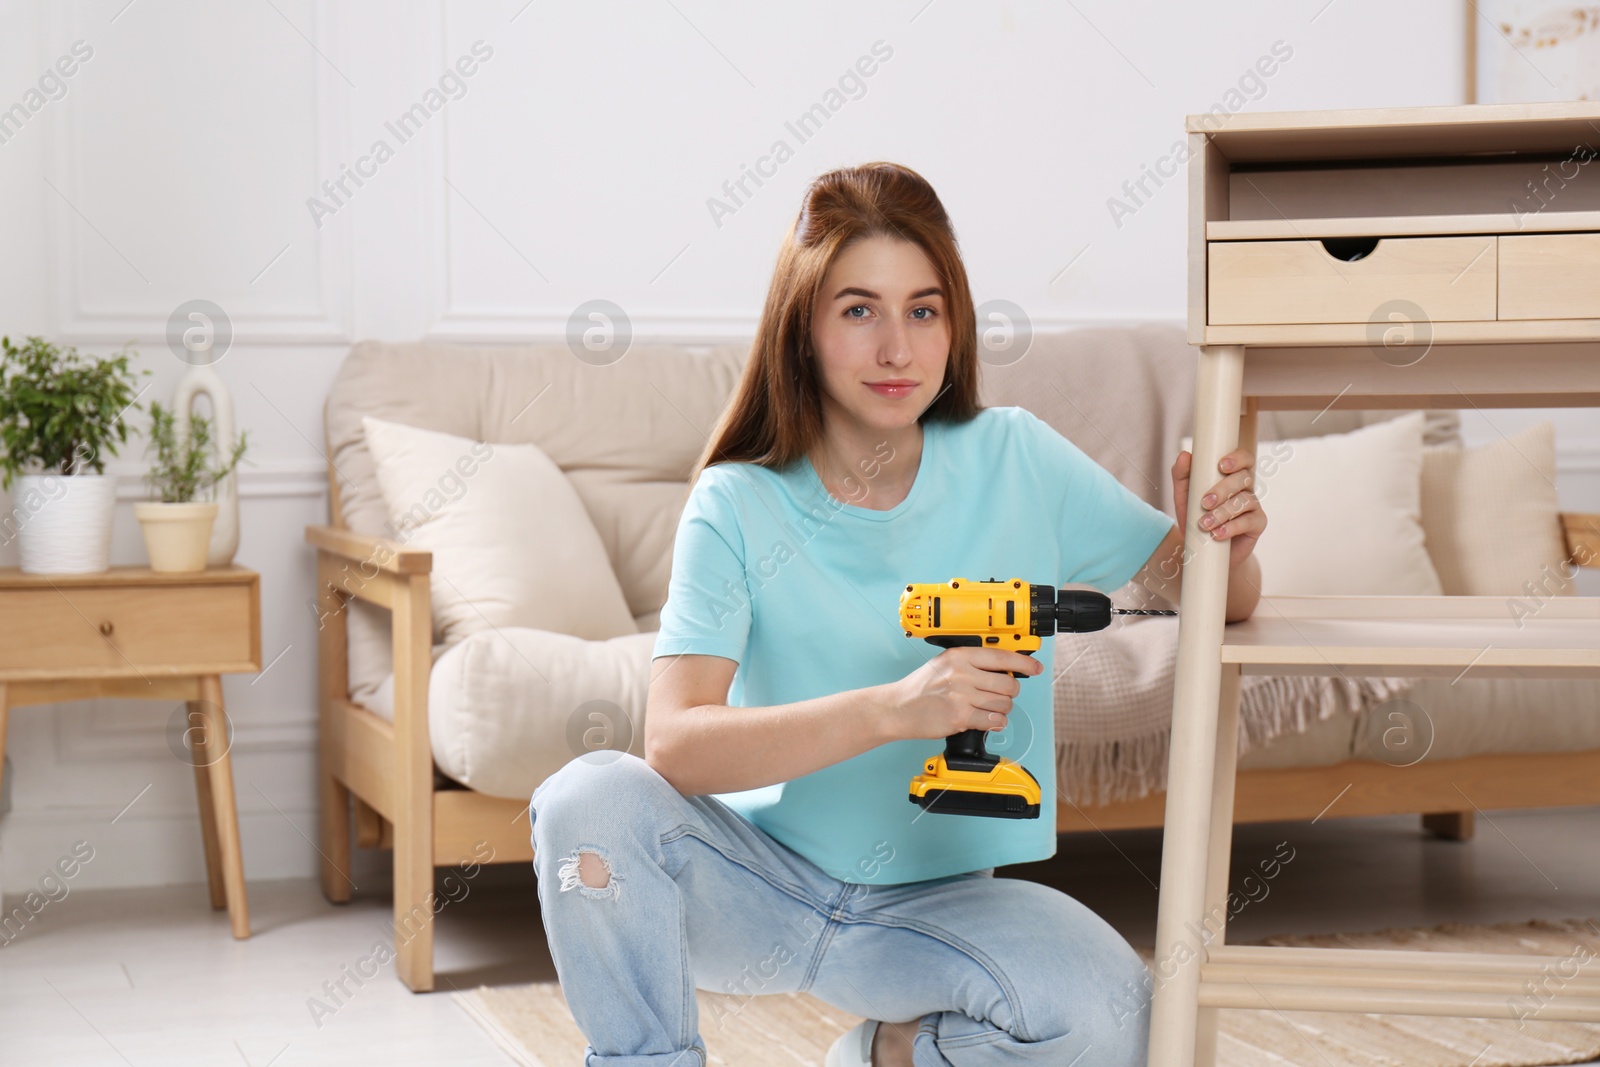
(176, 522)
(61, 415)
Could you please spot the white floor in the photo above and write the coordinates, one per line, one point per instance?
(152, 977)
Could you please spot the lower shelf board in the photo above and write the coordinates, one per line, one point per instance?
(1391, 981)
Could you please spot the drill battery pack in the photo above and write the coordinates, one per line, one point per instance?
(1002, 790)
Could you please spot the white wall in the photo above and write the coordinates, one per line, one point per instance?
(578, 164)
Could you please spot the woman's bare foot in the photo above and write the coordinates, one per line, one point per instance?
(891, 1045)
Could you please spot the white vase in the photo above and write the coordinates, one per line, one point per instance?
(64, 522)
(203, 381)
(176, 536)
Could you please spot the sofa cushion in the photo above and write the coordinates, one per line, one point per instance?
(625, 434)
(1343, 512)
(512, 544)
(1492, 516)
(506, 708)
(1440, 719)
(1449, 718)
(1440, 426)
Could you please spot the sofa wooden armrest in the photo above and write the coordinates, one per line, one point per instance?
(1583, 538)
(370, 552)
(384, 767)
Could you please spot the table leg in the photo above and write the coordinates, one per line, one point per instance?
(199, 753)
(2, 733)
(1186, 837)
(1225, 766)
(2, 763)
(220, 768)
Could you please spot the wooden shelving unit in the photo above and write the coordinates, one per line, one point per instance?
(1395, 257)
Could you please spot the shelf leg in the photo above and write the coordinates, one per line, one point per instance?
(4, 714)
(1450, 825)
(1220, 852)
(208, 812)
(1225, 763)
(1186, 840)
(220, 766)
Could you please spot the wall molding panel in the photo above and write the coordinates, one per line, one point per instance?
(325, 317)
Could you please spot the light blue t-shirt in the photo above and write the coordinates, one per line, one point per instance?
(803, 591)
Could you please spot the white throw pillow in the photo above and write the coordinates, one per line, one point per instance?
(1493, 519)
(512, 542)
(507, 710)
(1344, 512)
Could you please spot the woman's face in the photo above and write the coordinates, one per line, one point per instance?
(880, 318)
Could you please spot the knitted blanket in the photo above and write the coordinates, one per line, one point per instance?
(1113, 707)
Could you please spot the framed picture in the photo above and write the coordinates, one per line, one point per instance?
(1520, 51)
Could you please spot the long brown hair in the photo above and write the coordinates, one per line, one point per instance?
(775, 415)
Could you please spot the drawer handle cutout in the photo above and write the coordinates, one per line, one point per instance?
(1349, 249)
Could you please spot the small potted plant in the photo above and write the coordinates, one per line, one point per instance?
(177, 520)
(61, 415)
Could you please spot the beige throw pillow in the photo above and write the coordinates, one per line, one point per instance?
(1492, 516)
(512, 542)
(1344, 513)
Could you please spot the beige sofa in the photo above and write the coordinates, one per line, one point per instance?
(436, 750)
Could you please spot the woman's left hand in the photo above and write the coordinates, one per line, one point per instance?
(1233, 512)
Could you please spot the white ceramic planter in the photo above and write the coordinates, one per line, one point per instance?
(64, 522)
(176, 536)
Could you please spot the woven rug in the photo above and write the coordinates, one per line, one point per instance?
(532, 1024)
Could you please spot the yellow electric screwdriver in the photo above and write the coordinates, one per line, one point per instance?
(1014, 615)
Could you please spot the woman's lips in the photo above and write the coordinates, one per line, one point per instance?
(892, 391)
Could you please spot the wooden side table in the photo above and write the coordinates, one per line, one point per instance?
(134, 632)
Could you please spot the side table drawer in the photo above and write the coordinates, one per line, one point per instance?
(1550, 276)
(1302, 281)
(126, 629)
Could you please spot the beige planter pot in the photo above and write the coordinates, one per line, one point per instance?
(176, 536)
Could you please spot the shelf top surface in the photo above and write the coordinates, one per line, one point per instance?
(1395, 132)
(233, 573)
(1498, 224)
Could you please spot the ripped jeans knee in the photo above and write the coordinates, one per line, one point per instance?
(588, 870)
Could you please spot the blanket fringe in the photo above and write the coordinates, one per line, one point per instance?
(1105, 772)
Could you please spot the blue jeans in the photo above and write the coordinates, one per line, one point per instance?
(996, 970)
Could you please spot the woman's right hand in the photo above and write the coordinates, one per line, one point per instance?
(963, 688)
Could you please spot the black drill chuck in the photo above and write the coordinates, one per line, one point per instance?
(1069, 611)
(1075, 611)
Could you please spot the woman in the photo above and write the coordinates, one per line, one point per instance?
(765, 843)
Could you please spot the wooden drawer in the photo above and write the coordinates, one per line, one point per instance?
(1300, 281)
(1550, 276)
(73, 627)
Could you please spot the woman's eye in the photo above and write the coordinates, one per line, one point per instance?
(858, 307)
(930, 313)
